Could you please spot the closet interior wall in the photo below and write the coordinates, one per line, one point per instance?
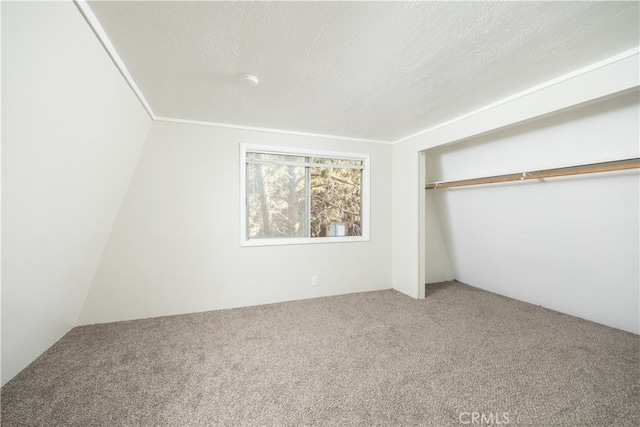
(568, 243)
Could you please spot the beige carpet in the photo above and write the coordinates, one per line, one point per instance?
(460, 357)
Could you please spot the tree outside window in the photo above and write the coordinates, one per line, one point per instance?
(303, 196)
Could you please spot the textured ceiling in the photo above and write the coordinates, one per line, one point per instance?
(370, 70)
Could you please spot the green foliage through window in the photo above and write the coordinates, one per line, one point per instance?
(303, 196)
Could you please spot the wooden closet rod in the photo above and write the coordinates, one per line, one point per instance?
(632, 163)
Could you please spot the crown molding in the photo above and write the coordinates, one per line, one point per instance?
(97, 29)
(269, 130)
(100, 33)
(600, 64)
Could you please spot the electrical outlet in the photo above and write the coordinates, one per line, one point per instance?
(314, 280)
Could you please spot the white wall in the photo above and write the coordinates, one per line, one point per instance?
(175, 247)
(438, 267)
(584, 86)
(72, 133)
(571, 244)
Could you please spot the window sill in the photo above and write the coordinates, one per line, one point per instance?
(302, 241)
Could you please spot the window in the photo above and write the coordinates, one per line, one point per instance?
(291, 196)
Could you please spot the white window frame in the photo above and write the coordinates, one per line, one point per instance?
(276, 241)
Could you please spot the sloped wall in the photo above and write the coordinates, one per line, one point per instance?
(72, 131)
(175, 247)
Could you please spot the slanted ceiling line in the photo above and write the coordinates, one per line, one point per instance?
(100, 33)
(565, 77)
(94, 24)
(97, 29)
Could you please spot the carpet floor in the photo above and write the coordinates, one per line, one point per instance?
(462, 356)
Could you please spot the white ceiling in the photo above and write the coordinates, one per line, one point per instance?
(368, 70)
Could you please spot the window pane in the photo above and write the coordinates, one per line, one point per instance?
(275, 200)
(275, 157)
(336, 202)
(335, 161)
